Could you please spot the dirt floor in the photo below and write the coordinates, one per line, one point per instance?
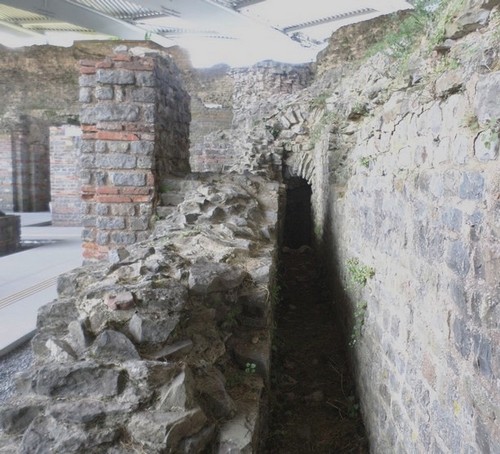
(313, 403)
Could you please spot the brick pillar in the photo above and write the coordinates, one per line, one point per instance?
(24, 166)
(65, 175)
(6, 172)
(132, 136)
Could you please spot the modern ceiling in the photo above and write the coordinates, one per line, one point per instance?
(237, 32)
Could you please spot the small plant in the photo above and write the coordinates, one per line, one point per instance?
(359, 321)
(472, 123)
(319, 102)
(359, 273)
(365, 161)
(165, 188)
(275, 130)
(447, 64)
(231, 319)
(357, 111)
(250, 368)
(491, 133)
(328, 120)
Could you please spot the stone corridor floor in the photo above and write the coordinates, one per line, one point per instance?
(313, 403)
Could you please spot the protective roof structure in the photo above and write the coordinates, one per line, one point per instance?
(231, 31)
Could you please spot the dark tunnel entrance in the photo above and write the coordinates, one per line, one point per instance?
(298, 219)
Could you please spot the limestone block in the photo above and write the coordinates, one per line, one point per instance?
(57, 314)
(152, 327)
(46, 434)
(467, 23)
(159, 430)
(119, 300)
(486, 146)
(83, 379)
(172, 297)
(113, 347)
(49, 349)
(115, 76)
(128, 179)
(449, 82)
(78, 336)
(213, 394)
(111, 112)
(178, 395)
(197, 443)
(16, 417)
(486, 100)
(472, 186)
(206, 277)
(236, 435)
(82, 411)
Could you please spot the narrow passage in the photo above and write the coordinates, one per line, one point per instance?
(313, 404)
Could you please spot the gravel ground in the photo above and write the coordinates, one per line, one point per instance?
(10, 364)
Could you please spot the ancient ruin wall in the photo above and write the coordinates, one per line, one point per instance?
(65, 191)
(135, 124)
(405, 171)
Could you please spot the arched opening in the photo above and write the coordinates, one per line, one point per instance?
(298, 222)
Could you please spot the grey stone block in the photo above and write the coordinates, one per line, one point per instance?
(109, 112)
(115, 76)
(458, 258)
(147, 328)
(78, 380)
(145, 78)
(104, 92)
(214, 277)
(85, 95)
(113, 347)
(483, 356)
(143, 94)
(16, 418)
(472, 186)
(452, 218)
(142, 147)
(462, 336)
(110, 223)
(128, 179)
(115, 161)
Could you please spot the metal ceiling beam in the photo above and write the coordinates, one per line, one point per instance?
(329, 19)
(74, 13)
(246, 3)
(18, 29)
(225, 20)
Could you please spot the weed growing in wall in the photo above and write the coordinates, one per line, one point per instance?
(250, 368)
(358, 277)
(359, 273)
(365, 161)
(319, 102)
(328, 120)
(359, 321)
(429, 18)
(491, 132)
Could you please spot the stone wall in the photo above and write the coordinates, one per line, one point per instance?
(65, 205)
(135, 124)
(10, 234)
(257, 93)
(152, 351)
(404, 166)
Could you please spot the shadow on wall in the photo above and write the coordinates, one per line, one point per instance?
(298, 221)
